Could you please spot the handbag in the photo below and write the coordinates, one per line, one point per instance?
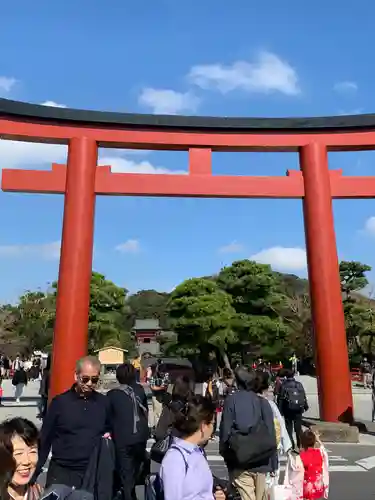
(255, 446)
(231, 492)
(280, 492)
(144, 470)
(294, 474)
(160, 448)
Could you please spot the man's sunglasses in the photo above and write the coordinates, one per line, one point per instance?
(85, 379)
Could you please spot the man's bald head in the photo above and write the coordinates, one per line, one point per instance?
(87, 374)
(88, 362)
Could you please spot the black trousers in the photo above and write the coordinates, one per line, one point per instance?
(58, 474)
(43, 406)
(294, 421)
(129, 460)
(215, 425)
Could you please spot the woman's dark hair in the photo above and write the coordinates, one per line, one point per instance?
(160, 368)
(262, 381)
(182, 389)
(288, 373)
(308, 439)
(246, 379)
(7, 468)
(126, 374)
(227, 373)
(196, 411)
(21, 427)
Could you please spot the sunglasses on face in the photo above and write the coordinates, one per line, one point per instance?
(85, 379)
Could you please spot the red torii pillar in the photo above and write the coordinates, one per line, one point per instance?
(73, 292)
(326, 300)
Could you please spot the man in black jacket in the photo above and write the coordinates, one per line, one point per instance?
(74, 424)
(243, 411)
(130, 431)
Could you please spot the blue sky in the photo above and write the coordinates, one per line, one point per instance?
(210, 58)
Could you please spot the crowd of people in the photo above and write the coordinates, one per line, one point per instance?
(21, 371)
(33, 365)
(97, 443)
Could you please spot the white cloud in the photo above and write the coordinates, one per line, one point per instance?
(355, 111)
(125, 165)
(45, 250)
(18, 154)
(111, 152)
(6, 84)
(53, 104)
(233, 247)
(267, 73)
(15, 154)
(370, 226)
(169, 102)
(130, 246)
(345, 87)
(282, 258)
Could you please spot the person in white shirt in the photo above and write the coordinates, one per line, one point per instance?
(17, 363)
(284, 443)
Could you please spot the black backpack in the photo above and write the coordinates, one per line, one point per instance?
(294, 397)
(154, 485)
(160, 448)
(254, 447)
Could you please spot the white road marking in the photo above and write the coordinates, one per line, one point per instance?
(332, 468)
(367, 463)
(362, 465)
(345, 468)
(219, 458)
(332, 458)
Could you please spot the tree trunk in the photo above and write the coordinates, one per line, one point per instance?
(226, 360)
(370, 342)
(358, 344)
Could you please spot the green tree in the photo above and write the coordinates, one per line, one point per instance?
(147, 304)
(107, 311)
(202, 316)
(36, 311)
(353, 277)
(34, 319)
(358, 314)
(259, 305)
(298, 319)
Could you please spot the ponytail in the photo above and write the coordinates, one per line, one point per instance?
(190, 416)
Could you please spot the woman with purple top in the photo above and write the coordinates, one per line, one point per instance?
(185, 472)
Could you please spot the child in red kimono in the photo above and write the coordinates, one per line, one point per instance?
(315, 462)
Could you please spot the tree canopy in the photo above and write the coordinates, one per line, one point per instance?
(202, 315)
(247, 310)
(33, 318)
(147, 304)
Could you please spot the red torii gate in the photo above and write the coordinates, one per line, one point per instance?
(81, 180)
